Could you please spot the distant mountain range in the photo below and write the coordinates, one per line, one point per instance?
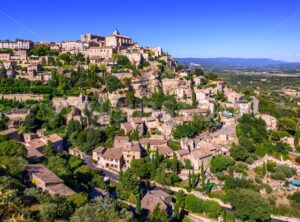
(236, 63)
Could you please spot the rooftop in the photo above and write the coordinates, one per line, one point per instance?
(43, 173)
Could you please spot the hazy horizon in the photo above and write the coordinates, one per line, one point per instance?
(199, 29)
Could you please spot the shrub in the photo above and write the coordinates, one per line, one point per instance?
(221, 163)
(196, 205)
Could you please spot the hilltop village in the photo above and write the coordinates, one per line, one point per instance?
(103, 127)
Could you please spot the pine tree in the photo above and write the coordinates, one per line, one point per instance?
(138, 208)
(203, 177)
(174, 163)
(190, 179)
(296, 140)
(176, 211)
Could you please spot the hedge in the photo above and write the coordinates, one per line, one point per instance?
(196, 205)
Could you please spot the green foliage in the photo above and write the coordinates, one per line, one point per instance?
(196, 205)
(83, 174)
(249, 205)
(281, 172)
(187, 164)
(159, 215)
(112, 83)
(74, 162)
(78, 199)
(239, 153)
(252, 128)
(297, 159)
(12, 148)
(88, 139)
(59, 166)
(180, 198)
(220, 163)
(198, 125)
(168, 75)
(100, 210)
(287, 124)
(295, 197)
(129, 184)
(99, 182)
(42, 50)
(141, 167)
(12, 158)
(198, 72)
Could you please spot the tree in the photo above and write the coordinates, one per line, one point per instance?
(59, 166)
(73, 126)
(130, 99)
(287, 124)
(99, 182)
(3, 73)
(239, 153)
(198, 72)
(175, 163)
(180, 198)
(203, 176)
(83, 174)
(220, 163)
(74, 162)
(100, 210)
(129, 183)
(78, 199)
(112, 83)
(187, 164)
(296, 139)
(88, 139)
(176, 211)
(12, 165)
(249, 205)
(141, 168)
(159, 215)
(196, 205)
(138, 208)
(183, 130)
(160, 176)
(12, 148)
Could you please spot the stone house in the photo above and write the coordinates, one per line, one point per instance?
(133, 124)
(156, 198)
(157, 144)
(35, 143)
(119, 157)
(11, 134)
(110, 158)
(46, 180)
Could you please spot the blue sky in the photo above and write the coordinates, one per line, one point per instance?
(184, 28)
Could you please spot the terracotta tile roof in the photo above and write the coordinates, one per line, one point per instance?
(99, 150)
(164, 150)
(132, 146)
(36, 143)
(200, 153)
(150, 201)
(128, 127)
(43, 173)
(54, 138)
(8, 131)
(113, 153)
(34, 153)
(153, 141)
(182, 152)
(137, 120)
(60, 190)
